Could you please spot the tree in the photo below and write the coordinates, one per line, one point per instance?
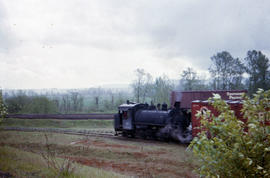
(190, 78)
(97, 92)
(81, 104)
(161, 91)
(76, 101)
(74, 96)
(17, 102)
(3, 109)
(65, 104)
(231, 151)
(40, 105)
(141, 85)
(227, 72)
(191, 81)
(147, 87)
(257, 67)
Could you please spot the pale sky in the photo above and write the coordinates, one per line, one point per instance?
(85, 43)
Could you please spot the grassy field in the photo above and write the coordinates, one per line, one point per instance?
(53, 123)
(27, 154)
(22, 155)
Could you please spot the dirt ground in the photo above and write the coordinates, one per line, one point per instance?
(126, 156)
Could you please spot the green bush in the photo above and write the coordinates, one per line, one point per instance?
(16, 103)
(40, 105)
(31, 105)
(232, 152)
(3, 109)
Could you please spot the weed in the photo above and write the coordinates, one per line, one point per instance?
(61, 168)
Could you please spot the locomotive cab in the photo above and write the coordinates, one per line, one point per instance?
(124, 120)
(121, 120)
(126, 111)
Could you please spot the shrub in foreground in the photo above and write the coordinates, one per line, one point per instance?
(232, 152)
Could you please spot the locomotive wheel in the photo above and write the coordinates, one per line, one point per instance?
(144, 136)
(124, 134)
(132, 135)
(140, 134)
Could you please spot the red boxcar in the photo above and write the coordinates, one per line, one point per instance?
(186, 97)
(199, 106)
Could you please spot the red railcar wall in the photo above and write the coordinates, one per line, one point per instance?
(186, 97)
(199, 106)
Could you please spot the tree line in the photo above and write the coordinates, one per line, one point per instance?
(226, 71)
(230, 73)
(147, 89)
(71, 101)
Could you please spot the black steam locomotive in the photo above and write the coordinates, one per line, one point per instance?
(141, 120)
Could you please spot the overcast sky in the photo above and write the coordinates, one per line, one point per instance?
(85, 43)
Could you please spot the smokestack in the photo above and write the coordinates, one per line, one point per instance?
(176, 96)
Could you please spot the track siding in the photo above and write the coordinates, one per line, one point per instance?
(62, 116)
(63, 131)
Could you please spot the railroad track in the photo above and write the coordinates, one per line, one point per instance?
(96, 133)
(63, 116)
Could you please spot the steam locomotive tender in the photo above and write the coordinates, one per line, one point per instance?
(135, 119)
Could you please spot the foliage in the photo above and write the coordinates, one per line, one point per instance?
(72, 102)
(141, 84)
(161, 90)
(39, 105)
(21, 103)
(17, 102)
(230, 151)
(190, 81)
(77, 101)
(226, 71)
(157, 91)
(257, 67)
(67, 101)
(3, 109)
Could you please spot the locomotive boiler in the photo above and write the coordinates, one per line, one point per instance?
(137, 119)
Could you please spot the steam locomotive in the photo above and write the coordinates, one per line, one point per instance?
(134, 119)
(140, 120)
